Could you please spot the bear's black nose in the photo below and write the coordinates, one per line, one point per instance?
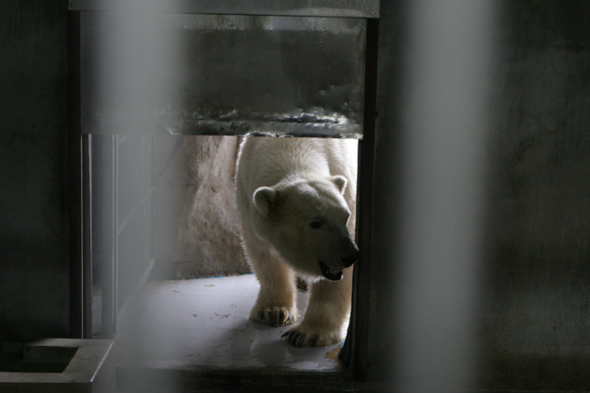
(350, 259)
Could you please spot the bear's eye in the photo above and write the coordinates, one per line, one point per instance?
(315, 225)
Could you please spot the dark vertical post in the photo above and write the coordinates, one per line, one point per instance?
(75, 178)
(87, 245)
(355, 349)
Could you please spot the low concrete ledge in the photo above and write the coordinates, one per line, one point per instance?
(90, 370)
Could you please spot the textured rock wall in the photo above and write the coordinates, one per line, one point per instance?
(207, 239)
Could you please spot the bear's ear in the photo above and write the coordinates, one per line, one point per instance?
(264, 199)
(340, 182)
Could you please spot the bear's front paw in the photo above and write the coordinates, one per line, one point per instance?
(301, 336)
(273, 316)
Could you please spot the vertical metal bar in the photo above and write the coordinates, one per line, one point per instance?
(75, 178)
(114, 213)
(152, 202)
(355, 349)
(87, 236)
(105, 188)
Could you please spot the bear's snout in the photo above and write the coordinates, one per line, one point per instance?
(348, 260)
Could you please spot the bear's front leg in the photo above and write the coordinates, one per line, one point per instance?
(276, 302)
(326, 315)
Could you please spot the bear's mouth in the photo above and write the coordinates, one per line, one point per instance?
(330, 273)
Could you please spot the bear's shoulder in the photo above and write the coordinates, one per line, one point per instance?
(265, 161)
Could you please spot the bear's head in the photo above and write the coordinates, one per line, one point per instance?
(306, 222)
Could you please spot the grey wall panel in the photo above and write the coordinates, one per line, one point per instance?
(34, 254)
(535, 316)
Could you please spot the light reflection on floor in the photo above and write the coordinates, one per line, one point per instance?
(204, 323)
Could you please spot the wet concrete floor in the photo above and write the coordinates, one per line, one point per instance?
(203, 323)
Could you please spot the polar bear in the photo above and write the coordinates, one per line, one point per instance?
(297, 203)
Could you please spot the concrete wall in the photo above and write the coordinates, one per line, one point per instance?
(198, 224)
(534, 318)
(209, 230)
(537, 299)
(34, 249)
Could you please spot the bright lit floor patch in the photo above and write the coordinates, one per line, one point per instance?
(204, 323)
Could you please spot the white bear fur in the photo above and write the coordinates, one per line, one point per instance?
(297, 202)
